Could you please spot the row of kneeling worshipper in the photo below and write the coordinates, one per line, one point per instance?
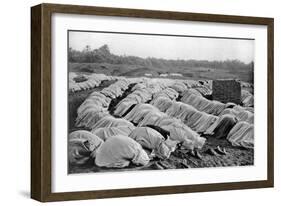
(141, 92)
(89, 81)
(138, 147)
(95, 107)
(147, 114)
(216, 108)
(199, 102)
(118, 151)
(196, 120)
(223, 126)
(142, 95)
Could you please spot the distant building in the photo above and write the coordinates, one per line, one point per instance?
(147, 74)
(227, 91)
(176, 74)
(163, 75)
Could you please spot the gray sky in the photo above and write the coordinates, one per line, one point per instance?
(168, 47)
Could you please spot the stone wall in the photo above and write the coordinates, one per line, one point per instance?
(227, 91)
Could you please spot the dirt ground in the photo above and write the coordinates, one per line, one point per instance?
(181, 158)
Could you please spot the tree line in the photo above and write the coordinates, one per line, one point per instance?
(103, 55)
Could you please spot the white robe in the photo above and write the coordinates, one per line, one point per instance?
(242, 134)
(119, 151)
(151, 139)
(82, 145)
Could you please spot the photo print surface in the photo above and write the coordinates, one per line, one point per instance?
(159, 101)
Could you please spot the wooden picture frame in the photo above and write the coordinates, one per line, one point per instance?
(41, 97)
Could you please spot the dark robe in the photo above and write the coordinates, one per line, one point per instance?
(224, 127)
(130, 109)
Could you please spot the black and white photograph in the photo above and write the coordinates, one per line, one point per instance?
(141, 101)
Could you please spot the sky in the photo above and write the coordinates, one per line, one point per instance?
(167, 47)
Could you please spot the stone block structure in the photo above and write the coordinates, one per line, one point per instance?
(227, 91)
